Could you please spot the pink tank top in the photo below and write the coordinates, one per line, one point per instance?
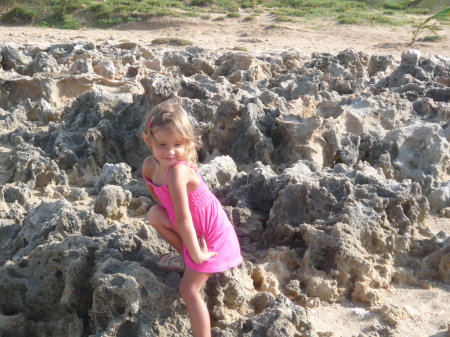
(210, 221)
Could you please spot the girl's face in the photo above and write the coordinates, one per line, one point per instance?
(167, 147)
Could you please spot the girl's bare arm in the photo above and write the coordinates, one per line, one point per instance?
(178, 179)
(147, 171)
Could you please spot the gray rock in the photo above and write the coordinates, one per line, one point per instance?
(310, 212)
(29, 166)
(439, 198)
(18, 192)
(219, 171)
(41, 63)
(82, 67)
(112, 202)
(257, 189)
(356, 62)
(380, 64)
(281, 318)
(13, 324)
(79, 194)
(194, 61)
(158, 88)
(252, 144)
(61, 272)
(293, 58)
(105, 68)
(241, 67)
(13, 57)
(50, 221)
(42, 111)
(326, 164)
(114, 174)
(125, 298)
(409, 65)
(423, 153)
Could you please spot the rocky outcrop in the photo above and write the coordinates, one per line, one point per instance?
(327, 166)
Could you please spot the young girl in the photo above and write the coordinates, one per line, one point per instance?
(189, 217)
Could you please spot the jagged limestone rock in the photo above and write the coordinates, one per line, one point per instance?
(324, 163)
(112, 201)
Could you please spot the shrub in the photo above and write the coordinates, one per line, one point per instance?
(70, 23)
(395, 6)
(201, 3)
(110, 22)
(347, 20)
(19, 14)
(233, 15)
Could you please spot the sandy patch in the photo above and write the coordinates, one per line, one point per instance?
(262, 34)
(425, 313)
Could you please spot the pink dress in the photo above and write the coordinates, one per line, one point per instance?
(210, 221)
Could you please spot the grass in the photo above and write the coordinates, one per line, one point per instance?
(240, 48)
(431, 23)
(172, 41)
(233, 15)
(283, 18)
(73, 14)
(431, 38)
(272, 26)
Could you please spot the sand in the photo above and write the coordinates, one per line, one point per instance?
(262, 34)
(424, 312)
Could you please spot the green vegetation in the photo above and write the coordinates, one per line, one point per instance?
(240, 48)
(431, 38)
(233, 15)
(172, 41)
(430, 23)
(272, 26)
(73, 14)
(21, 14)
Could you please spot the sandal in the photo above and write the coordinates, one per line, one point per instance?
(171, 261)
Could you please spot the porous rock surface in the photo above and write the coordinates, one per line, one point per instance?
(327, 165)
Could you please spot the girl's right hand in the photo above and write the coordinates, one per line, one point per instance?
(204, 249)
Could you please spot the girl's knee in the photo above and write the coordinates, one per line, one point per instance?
(157, 216)
(187, 292)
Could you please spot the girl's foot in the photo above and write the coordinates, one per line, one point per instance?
(170, 261)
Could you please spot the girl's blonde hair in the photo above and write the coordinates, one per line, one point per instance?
(172, 115)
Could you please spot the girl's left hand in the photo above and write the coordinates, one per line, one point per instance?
(204, 249)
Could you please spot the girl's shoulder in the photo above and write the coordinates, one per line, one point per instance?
(185, 172)
(183, 166)
(148, 165)
(150, 160)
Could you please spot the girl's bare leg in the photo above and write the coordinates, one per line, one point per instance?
(158, 218)
(190, 287)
